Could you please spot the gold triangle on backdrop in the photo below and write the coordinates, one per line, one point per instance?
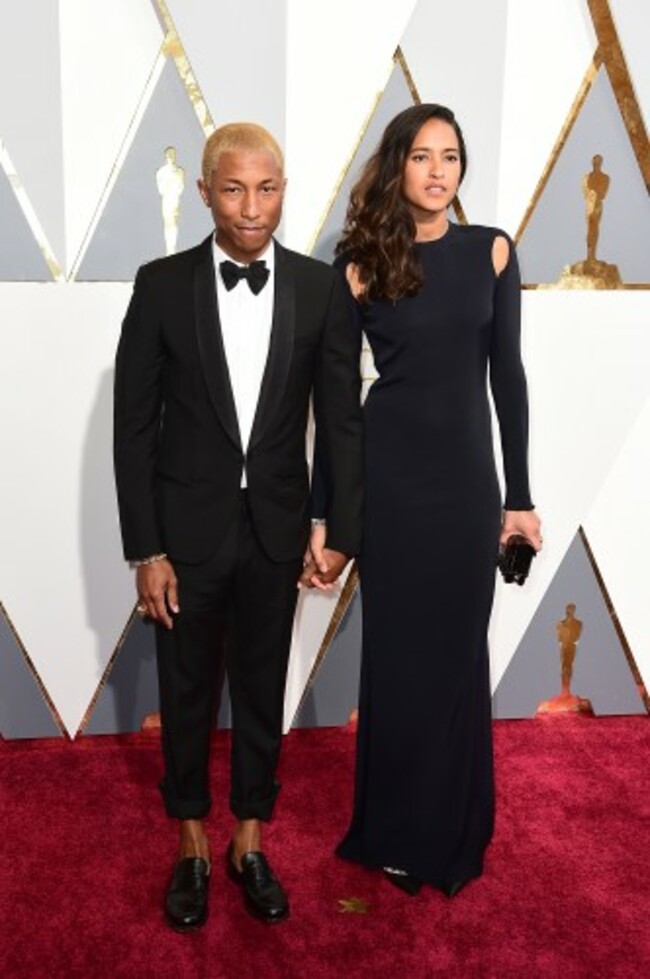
(614, 60)
(174, 49)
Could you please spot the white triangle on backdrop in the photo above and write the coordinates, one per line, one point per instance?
(448, 67)
(586, 357)
(108, 52)
(62, 575)
(550, 44)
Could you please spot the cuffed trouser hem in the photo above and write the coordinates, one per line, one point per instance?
(185, 808)
(260, 809)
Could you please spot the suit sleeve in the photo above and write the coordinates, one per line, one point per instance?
(508, 384)
(338, 463)
(138, 404)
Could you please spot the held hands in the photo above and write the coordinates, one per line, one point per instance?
(157, 591)
(322, 566)
(524, 522)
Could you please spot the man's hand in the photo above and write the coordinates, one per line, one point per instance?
(328, 567)
(157, 591)
(322, 566)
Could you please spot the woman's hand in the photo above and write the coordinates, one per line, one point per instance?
(524, 522)
(321, 565)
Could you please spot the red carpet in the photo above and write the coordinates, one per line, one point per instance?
(86, 850)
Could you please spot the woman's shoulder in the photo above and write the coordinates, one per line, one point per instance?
(347, 269)
(341, 261)
(481, 233)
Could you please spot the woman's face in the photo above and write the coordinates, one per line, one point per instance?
(432, 170)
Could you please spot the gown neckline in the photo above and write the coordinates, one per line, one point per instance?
(438, 241)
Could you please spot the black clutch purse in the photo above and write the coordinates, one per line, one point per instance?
(515, 559)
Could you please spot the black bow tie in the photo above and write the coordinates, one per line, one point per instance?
(256, 274)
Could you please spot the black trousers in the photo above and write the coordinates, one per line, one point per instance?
(240, 605)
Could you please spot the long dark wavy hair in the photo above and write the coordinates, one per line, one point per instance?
(379, 230)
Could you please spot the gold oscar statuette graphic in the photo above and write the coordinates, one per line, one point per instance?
(568, 631)
(170, 180)
(591, 272)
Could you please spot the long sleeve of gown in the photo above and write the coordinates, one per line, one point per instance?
(508, 384)
(321, 477)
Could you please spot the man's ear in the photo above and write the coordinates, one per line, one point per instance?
(204, 191)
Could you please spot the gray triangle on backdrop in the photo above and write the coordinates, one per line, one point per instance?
(24, 711)
(556, 233)
(21, 260)
(31, 111)
(334, 692)
(395, 97)
(129, 688)
(600, 671)
(130, 230)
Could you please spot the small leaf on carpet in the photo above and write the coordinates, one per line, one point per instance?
(353, 905)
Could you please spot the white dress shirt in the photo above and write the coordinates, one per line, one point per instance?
(246, 329)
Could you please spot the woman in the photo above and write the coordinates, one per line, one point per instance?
(440, 306)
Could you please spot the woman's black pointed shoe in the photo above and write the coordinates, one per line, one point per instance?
(410, 885)
(453, 887)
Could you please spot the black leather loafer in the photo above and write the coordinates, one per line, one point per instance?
(264, 896)
(186, 900)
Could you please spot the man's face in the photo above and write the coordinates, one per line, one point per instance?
(245, 196)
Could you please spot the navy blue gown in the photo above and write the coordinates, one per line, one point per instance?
(424, 790)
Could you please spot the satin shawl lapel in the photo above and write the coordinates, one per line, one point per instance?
(280, 346)
(210, 340)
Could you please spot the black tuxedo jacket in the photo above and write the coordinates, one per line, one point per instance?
(177, 451)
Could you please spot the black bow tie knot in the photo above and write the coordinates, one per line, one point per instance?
(256, 274)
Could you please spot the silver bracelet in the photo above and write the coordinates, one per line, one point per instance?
(318, 522)
(147, 560)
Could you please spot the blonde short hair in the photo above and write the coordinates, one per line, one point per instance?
(238, 136)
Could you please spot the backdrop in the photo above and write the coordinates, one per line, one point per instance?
(103, 113)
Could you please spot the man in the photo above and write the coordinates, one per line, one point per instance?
(222, 348)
